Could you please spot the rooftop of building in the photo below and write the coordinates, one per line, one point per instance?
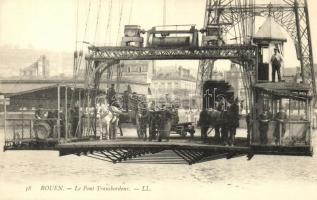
(174, 73)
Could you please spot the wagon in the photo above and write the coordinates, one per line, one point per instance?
(183, 129)
(168, 121)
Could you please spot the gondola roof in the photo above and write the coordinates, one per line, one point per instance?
(298, 91)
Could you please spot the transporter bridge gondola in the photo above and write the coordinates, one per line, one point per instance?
(287, 136)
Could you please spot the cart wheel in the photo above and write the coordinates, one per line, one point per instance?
(42, 130)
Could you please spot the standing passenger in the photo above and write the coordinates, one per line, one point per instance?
(233, 121)
(126, 101)
(281, 118)
(134, 107)
(276, 61)
(111, 94)
(264, 120)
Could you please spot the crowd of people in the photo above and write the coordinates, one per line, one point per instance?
(159, 118)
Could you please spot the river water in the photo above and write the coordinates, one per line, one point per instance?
(27, 175)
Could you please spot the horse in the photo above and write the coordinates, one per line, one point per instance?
(108, 119)
(224, 120)
(210, 118)
(215, 118)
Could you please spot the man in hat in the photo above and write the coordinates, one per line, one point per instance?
(133, 105)
(281, 118)
(233, 123)
(276, 60)
(125, 101)
(264, 120)
(111, 94)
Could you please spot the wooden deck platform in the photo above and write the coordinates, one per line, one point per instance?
(115, 144)
(191, 151)
(177, 150)
(118, 151)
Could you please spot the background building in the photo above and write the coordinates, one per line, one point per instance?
(40, 68)
(218, 75)
(135, 74)
(173, 83)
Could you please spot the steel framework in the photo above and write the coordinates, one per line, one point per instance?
(102, 58)
(153, 153)
(292, 15)
(170, 152)
(241, 52)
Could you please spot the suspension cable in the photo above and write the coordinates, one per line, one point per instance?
(87, 19)
(234, 26)
(76, 41)
(77, 11)
(75, 58)
(108, 23)
(98, 15)
(131, 10)
(120, 18)
(80, 54)
(238, 22)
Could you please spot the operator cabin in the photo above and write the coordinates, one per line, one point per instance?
(268, 38)
(294, 130)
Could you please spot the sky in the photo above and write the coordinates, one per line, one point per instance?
(54, 25)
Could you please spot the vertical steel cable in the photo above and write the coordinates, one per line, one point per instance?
(120, 19)
(87, 19)
(77, 11)
(98, 16)
(108, 23)
(131, 10)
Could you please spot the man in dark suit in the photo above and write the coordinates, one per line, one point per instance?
(281, 118)
(276, 60)
(264, 120)
(233, 122)
(111, 95)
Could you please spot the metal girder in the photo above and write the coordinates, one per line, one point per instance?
(214, 12)
(94, 71)
(305, 46)
(205, 70)
(242, 52)
(292, 15)
(157, 154)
